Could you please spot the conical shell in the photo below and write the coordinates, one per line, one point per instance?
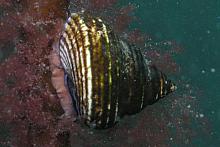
(107, 76)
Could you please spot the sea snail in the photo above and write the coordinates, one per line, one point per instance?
(105, 77)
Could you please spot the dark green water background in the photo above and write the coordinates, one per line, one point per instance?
(195, 25)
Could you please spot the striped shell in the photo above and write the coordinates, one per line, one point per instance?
(107, 77)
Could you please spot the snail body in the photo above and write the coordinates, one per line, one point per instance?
(107, 77)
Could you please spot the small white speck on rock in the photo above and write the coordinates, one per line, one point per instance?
(212, 70)
(91, 132)
(187, 85)
(201, 115)
(189, 106)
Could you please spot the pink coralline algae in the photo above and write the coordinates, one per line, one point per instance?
(29, 106)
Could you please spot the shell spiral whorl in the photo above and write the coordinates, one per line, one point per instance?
(106, 76)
